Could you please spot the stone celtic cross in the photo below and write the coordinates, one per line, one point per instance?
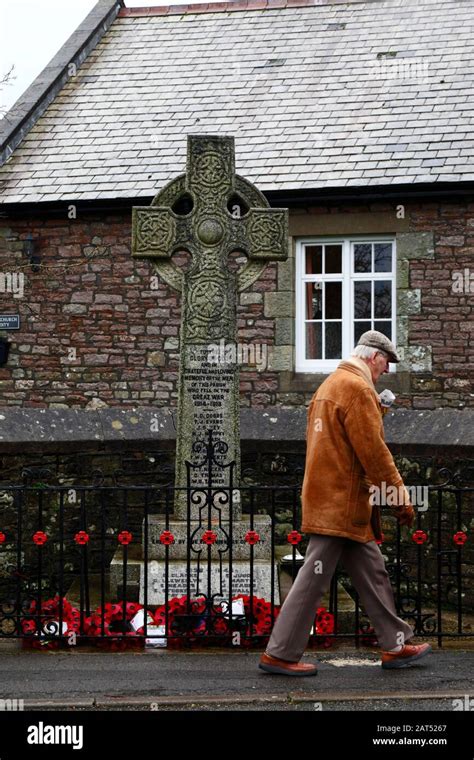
(210, 212)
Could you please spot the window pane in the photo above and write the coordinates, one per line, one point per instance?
(313, 340)
(359, 328)
(362, 296)
(382, 298)
(314, 259)
(333, 259)
(383, 257)
(333, 340)
(385, 328)
(314, 300)
(333, 300)
(362, 257)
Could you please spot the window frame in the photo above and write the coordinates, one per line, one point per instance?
(348, 276)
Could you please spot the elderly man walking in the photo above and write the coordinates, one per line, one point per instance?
(346, 458)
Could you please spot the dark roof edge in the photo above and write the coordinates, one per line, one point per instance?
(276, 198)
(25, 112)
(229, 5)
(369, 192)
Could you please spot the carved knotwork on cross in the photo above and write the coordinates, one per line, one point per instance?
(210, 232)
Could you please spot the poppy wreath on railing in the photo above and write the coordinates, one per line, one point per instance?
(113, 630)
(48, 617)
(190, 623)
(258, 614)
(195, 622)
(187, 621)
(112, 626)
(324, 621)
(323, 628)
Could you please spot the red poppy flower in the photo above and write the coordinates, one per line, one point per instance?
(167, 538)
(28, 626)
(40, 538)
(124, 537)
(209, 537)
(3, 537)
(460, 538)
(81, 538)
(419, 537)
(252, 537)
(294, 537)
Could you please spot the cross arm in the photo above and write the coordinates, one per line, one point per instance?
(157, 232)
(262, 234)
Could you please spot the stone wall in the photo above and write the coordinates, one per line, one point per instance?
(98, 328)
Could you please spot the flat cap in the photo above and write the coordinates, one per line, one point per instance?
(378, 340)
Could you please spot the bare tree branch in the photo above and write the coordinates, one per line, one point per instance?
(6, 79)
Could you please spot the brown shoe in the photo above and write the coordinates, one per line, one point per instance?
(282, 667)
(406, 656)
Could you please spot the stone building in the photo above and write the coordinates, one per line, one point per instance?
(357, 116)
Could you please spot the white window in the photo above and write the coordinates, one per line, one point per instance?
(344, 286)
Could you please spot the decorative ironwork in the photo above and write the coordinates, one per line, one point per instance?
(56, 538)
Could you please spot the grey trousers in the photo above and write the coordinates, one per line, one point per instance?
(365, 565)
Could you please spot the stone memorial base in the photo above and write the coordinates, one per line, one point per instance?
(262, 524)
(177, 573)
(177, 584)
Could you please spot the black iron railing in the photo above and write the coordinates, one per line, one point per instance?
(96, 563)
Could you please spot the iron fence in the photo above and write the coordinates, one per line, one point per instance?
(112, 563)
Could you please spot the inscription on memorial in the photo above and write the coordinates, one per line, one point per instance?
(177, 580)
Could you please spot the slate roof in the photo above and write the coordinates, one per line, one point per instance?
(329, 94)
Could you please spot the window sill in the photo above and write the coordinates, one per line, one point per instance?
(306, 382)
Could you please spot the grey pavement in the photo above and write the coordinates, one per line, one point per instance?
(348, 679)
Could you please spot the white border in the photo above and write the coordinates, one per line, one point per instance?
(326, 366)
